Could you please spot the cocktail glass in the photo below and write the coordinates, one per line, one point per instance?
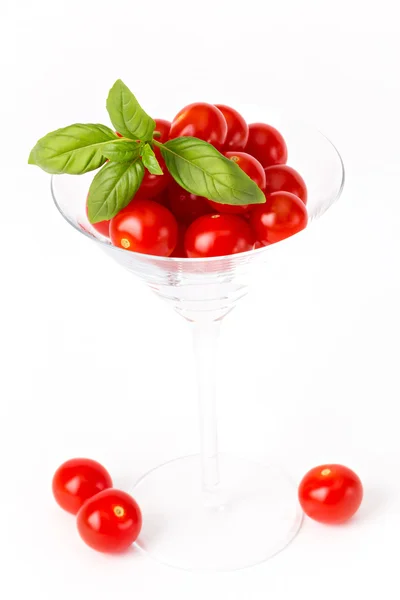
(211, 510)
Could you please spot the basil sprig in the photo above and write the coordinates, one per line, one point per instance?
(194, 164)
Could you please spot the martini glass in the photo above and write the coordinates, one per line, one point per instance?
(215, 511)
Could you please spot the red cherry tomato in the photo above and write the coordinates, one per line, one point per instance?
(102, 227)
(77, 480)
(180, 251)
(145, 226)
(282, 215)
(200, 120)
(281, 178)
(110, 521)
(253, 169)
(266, 144)
(218, 235)
(153, 185)
(238, 131)
(249, 165)
(162, 198)
(186, 206)
(161, 132)
(330, 493)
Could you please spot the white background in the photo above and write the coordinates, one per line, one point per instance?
(92, 364)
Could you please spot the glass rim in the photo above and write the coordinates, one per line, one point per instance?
(186, 260)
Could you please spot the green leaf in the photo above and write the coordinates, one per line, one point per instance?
(121, 150)
(113, 188)
(200, 169)
(75, 149)
(31, 159)
(126, 114)
(150, 161)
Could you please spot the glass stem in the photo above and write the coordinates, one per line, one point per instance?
(205, 338)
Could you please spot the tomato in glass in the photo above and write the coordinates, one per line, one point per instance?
(200, 120)
(110, 521)
(153, 185)
(238, 130)
(145, 226)
(162, 198)
(186, 206)
(77, 480)
(281, 178)
(180, 251)
(218, 235)
(266, 144)
(283, 214)
(161, 132)
(330, 493)
(102, 227)
(253, 169)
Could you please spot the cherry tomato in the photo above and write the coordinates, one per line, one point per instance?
(145, 226)
(77, 480)
(161, 132)
(180, 251)
(102, 227)
(110, 521)
(330, 493)
(200, 120)
(153, 185)
(218, 235)
(253, 169)
(266, 144)
(282, 215)
(238, 131)
(186, 206)
(162, 198)
(281, 178)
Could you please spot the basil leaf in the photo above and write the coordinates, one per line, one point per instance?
(200, 169)
(122, 151)
(150, 161)
(113, 188)
(126, 114)
(74, 150)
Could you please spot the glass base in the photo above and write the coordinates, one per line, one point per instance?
(251, 516)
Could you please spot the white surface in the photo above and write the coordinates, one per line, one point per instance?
(189, 527)
(93, 364)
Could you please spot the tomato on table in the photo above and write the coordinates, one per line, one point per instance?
(110, 521)
(281, 178)
(238, 130)
(282, 215)
(77, 480)
(266, 144)
(186, 206)
(218, 235)
(330, 493)
(145, 226)
(253, 169)
(154, 185)
(200, 120)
